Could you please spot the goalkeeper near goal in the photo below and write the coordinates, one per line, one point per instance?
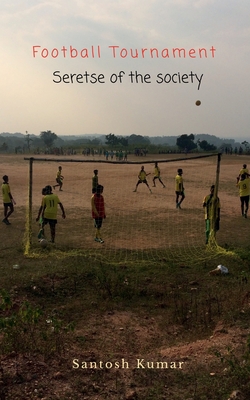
(142, 178)
(210, 212)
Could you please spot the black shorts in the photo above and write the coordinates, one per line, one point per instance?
(142, 181)
(98, 223)
(7, 204)
(51, 222)
(244, 199)
(180, 193)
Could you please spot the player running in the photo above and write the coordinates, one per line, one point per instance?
(157, 175)
(142, 179)
(59, 179)
(179, 188)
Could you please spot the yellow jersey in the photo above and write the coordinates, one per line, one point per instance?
(179, 183)
(208, 204)
(94, 181)
(50, 202)
(59, 175)
(6, 193)
(244, 187)
(244, 171)
(157, 172)
(142, 175)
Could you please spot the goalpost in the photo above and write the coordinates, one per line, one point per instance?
(139, 226)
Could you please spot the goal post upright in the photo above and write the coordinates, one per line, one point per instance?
(214, 222)
(29, 219)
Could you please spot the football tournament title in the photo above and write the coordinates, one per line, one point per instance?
(117, 52)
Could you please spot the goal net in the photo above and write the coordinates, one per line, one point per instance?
(139, 225)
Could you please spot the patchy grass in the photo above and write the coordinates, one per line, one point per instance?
(57, 309)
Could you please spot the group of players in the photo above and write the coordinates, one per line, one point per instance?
(47, 213)
(179, 188)
(211, 203)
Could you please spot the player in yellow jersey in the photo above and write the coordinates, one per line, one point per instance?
(142, 178)
(39, 218)
(157, 175)
(179, 188)
(243, 170)
(8, 201)
(208, 203)
(244, 191)
(59, 179)
(49, 212)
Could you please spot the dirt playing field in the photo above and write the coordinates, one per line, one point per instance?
(111, 324)
(135, 221)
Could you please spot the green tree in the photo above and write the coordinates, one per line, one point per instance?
(123, 141)
(204, 145)
(138, 140)
(28, 140)
(48, 138)
(186, 142)
(112, 140)
(247, 148)
(4, 147)
(95, 142)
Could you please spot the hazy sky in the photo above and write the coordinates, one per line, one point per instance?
(163, 105)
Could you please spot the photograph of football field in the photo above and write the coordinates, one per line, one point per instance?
(138, 316)
(139, 222)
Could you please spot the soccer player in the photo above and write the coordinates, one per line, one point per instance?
(49, 212)
(243, 170)
(157, 175)
(142, 178)
(244, 189)
(208, 203)
(98, 211)
(8, 201)
(39, 218)
(95, 181)
(59, 179)
(179, 188)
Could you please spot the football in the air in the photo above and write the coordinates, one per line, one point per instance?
(198, 102)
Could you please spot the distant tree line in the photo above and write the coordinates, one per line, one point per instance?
(184, 143)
